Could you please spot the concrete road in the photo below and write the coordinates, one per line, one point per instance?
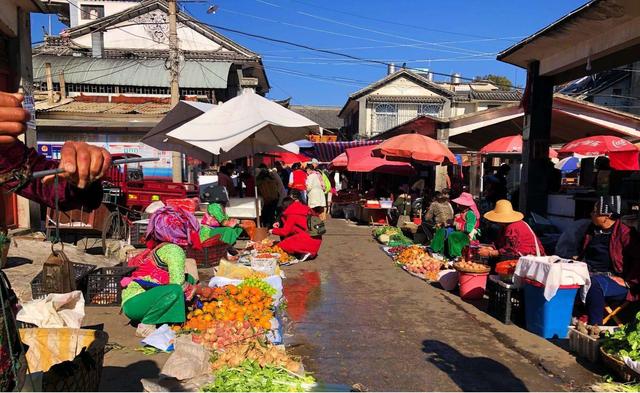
(357, 318)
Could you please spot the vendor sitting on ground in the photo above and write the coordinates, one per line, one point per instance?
(156, 292)
(297, 239)
(440, 211)
(468, 219)
(610, 250)
(516, 237)
(217, 223)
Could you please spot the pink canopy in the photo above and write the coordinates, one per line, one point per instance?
(623, 155)
(509, 144)
(360, 159)
(340, 162)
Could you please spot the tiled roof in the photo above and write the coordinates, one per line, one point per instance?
(496, 95)
(325, 116)
(105, 107)
(420, 99)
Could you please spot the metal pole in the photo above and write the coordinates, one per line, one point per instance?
(174, 61)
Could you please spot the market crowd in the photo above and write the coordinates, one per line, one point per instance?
(295, 200)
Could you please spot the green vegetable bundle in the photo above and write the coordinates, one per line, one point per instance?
(399, 239)
(250, 377)
(385, 230)
(624, 342)
(259, 283)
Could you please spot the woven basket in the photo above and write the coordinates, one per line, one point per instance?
(471, 271)
(618, 367)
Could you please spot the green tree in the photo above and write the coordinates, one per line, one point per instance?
(501, 81)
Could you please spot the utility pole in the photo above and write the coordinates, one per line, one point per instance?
(174, 61)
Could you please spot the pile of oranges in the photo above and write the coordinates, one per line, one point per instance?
(230, 303)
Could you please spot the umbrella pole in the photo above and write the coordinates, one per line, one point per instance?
(255, 181)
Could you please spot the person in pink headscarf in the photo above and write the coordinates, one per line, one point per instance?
(468, 220)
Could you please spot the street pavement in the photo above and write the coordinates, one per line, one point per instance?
(357, 318)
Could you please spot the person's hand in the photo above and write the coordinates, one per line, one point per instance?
(619, 281)
(13, 117)
(486, 252)
(82, 163)
(276, 225)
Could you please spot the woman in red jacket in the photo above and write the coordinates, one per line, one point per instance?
(297, 240)
(298, 181)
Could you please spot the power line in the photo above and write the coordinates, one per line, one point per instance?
(421, 44)
(330, 52)
(400, 24)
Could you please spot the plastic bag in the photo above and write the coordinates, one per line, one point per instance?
(57, 310)
(274, 281)
(162, 338)
(189, 360)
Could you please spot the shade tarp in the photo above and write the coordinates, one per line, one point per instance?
(327, 151)
(289, 158)
(245, 125)
(360, 159)
(340, 162)
(415, 148)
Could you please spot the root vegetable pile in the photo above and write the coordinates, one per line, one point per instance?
(471, 267)
(427, 267)
(263, 353)
(223, 334)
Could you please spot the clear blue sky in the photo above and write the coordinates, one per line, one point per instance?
(444, 36)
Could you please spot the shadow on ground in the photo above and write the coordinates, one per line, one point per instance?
(17, 261)
(127, 379)
(472, 373)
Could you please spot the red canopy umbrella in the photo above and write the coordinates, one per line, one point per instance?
(340, 162)
(360, 159)
(289, 158)
(623, 155)
(509, 144)
(415, 147)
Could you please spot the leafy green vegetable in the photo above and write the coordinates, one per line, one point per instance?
(624, 342)
(250, 377)
(385, 230)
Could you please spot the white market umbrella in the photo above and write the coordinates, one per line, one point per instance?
(180, 114)
(243, 126)
(247, 123)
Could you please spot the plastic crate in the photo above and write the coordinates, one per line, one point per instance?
(209, 255)
(586, 346)
(81, 272)
(138, 233)
(505, 301)
(103, 287)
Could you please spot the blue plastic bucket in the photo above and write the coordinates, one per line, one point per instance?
(548, 318)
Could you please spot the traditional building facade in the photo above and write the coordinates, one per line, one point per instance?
(105, 79)
(404, 95)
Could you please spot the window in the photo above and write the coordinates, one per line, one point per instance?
(429, 109)
(616, 92)
(386, 116)
(92, 12)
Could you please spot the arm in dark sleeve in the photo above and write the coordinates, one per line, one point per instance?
(16, 156)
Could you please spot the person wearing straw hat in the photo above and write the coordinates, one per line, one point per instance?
(516, 237)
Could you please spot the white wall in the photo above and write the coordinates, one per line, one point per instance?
(150, 36)
(110, 8)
